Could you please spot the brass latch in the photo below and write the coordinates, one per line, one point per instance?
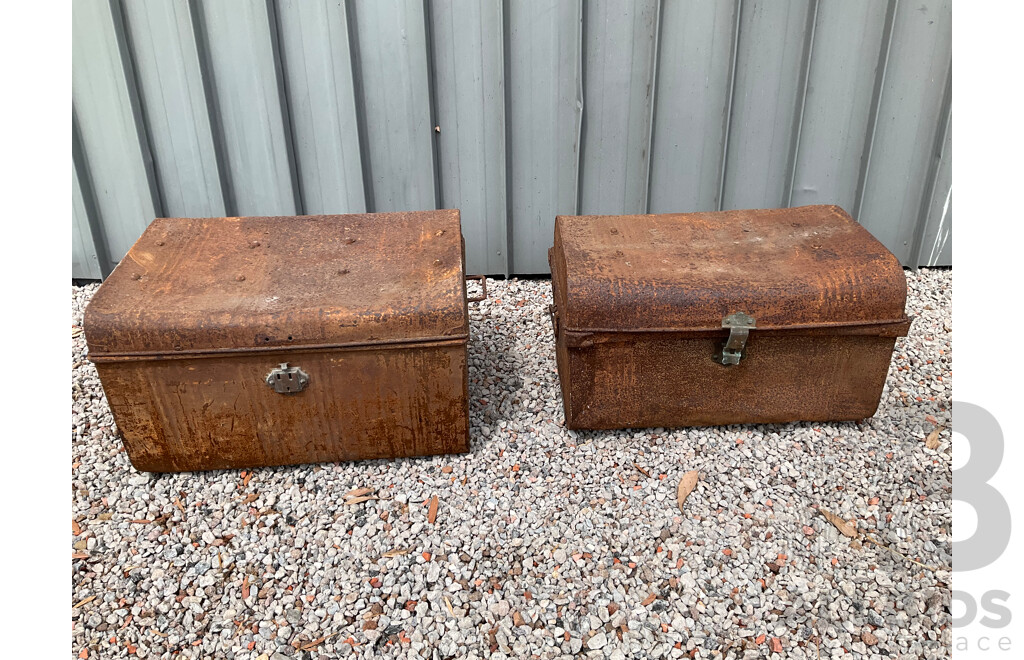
(739, 325)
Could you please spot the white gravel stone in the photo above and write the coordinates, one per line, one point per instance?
(540, 530)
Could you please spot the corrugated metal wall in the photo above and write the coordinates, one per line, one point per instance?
(512, 111)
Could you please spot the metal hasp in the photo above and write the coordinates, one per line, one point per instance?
(287, 380)
(739, 325)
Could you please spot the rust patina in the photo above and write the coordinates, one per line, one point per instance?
(372, 308)
(640, 303)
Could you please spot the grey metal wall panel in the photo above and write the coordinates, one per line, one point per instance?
(393, 73)
(545, 107)
(85, 262)
(773, 40)
(240, 37)
(937, 239)
(847, 40)
(106, 114)
(211, 107)
(163, 45)
(470, 97)
(318, 79)
(909, 116)
(618, 90)
(694, 79)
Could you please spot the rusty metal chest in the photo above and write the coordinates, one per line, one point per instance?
(238, 342)
(721, 318)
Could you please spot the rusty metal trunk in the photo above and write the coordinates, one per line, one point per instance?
(722, 318)
(239, 342)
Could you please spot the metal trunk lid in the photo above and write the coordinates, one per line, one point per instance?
(214, 285)
(809, 267)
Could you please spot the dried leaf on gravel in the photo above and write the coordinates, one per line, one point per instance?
(84, 601)
(686, 486)
(396, 552)
(361, 499)
(245, 587)
(844, 527)
(358, 492)
(75, 529)
(650, 599)
(932, 441)
(432, 511)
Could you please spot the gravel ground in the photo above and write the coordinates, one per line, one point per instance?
(547, 543)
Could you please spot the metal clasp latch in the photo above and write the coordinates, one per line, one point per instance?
(733, 349)
(287, 380)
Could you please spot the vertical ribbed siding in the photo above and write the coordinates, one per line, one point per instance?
(512, 111)
(319, 82)
(470, 98)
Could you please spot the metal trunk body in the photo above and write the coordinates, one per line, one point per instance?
(239, 342)
(722, 318)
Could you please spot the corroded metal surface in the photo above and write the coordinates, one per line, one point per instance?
(371, 308)
(640, 303)
(197, 284)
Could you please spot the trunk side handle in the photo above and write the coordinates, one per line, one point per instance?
(483, 286)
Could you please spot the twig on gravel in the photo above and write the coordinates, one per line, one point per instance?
(317, 642)
(84, 601)
(870, 539)
(642, 471)
(359, 500)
